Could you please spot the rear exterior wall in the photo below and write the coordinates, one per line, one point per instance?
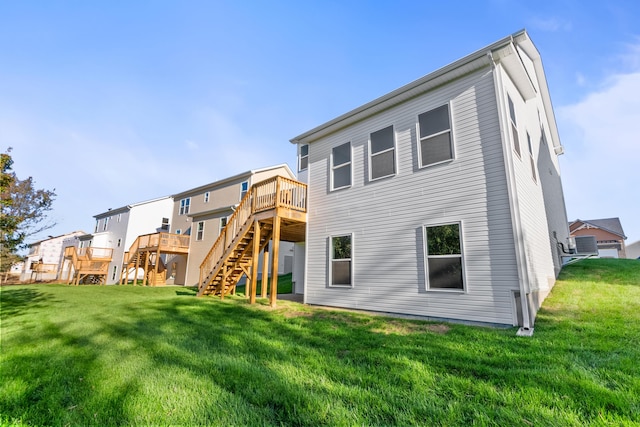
(387, 217)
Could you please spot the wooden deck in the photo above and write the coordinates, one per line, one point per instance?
(87, 265)
(272, 210)
(145, 253)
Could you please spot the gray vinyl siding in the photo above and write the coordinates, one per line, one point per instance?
(533, 215)
(387, 216)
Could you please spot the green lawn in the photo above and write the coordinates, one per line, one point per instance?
(125, 355)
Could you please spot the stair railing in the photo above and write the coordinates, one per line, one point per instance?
(271, 193)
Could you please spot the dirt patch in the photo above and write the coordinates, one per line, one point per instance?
(407, 328)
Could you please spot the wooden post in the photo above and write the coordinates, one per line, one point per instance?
(135, 274)
(225, 274)
(146, 267)
(155, 269)
(277, 196)
(255, 256)
(274, 261)
(265, 273)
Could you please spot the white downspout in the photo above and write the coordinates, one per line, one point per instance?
(523, 276)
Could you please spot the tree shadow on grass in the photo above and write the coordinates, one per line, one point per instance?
(15, 301)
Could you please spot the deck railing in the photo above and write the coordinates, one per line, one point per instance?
(272, 193)
(90, 253)
(165, 242)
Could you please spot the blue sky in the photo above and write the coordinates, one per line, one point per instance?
(112, 102)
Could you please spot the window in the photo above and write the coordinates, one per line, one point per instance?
(341, 166)
(533, 162)
(119, 218)
(178, 231)
(200, 231)
(223, 223)
(436, 142)
(304, 157)
(244, 188)
(206, 197)
(119, 242)
(514, 126)
(184, 206)
(382, 154)
(95, 230)
(444, 257)
(340, 266)
(165, 224)
(115, 271)
(106, 224)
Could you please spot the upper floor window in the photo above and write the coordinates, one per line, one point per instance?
(184, 206)
(200, 231)
(165, 224)
(304, 157)
(444, 265)
(119, 217)
(119, 242)
(340, 265)
(223, 223)
(436, 141)
(244, 189)
(514, 126)
(532, 160)
(382, 154)
(341, 166)
(105, 225)
(206, 197)
(95, 230)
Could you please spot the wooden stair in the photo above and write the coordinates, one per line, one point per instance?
(87, 265)
(145, 253)
(236, 251)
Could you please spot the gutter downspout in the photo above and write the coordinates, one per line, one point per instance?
(523, 278)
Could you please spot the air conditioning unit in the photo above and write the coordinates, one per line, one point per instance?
(586, 245)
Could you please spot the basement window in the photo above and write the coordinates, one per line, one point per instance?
(340, 265)
(444, 264)
(436, 143)
(382, 154)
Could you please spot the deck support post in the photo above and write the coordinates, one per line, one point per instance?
(265, 272)
(145, 282)
(155, 269)
(135, 274)
(255, 256)
(274, 261)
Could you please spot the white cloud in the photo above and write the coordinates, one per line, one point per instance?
(600, 168)
(551, 24)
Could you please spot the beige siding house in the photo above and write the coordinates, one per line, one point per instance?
(608, 232)
(442, 198)
(202, 212)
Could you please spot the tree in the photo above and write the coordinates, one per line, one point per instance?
(23, 212)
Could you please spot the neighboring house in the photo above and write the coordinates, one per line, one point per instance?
(45, 257)
(633, 250)
(202, 212)
(608, 233)
(442, 198)
(119, 228)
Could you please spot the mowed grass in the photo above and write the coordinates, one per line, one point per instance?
(125, 355)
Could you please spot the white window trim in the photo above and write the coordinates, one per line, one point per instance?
(199, 233)
(178, 231)
(395, 155)
(330, 257)
(534, 173)
(513, 125)
(450, 130)
(184, 209)
(300, 157)
(206, 196)
(426, 258)
(221, 227)
(350, 163)
(115, 272)
(241, 191)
